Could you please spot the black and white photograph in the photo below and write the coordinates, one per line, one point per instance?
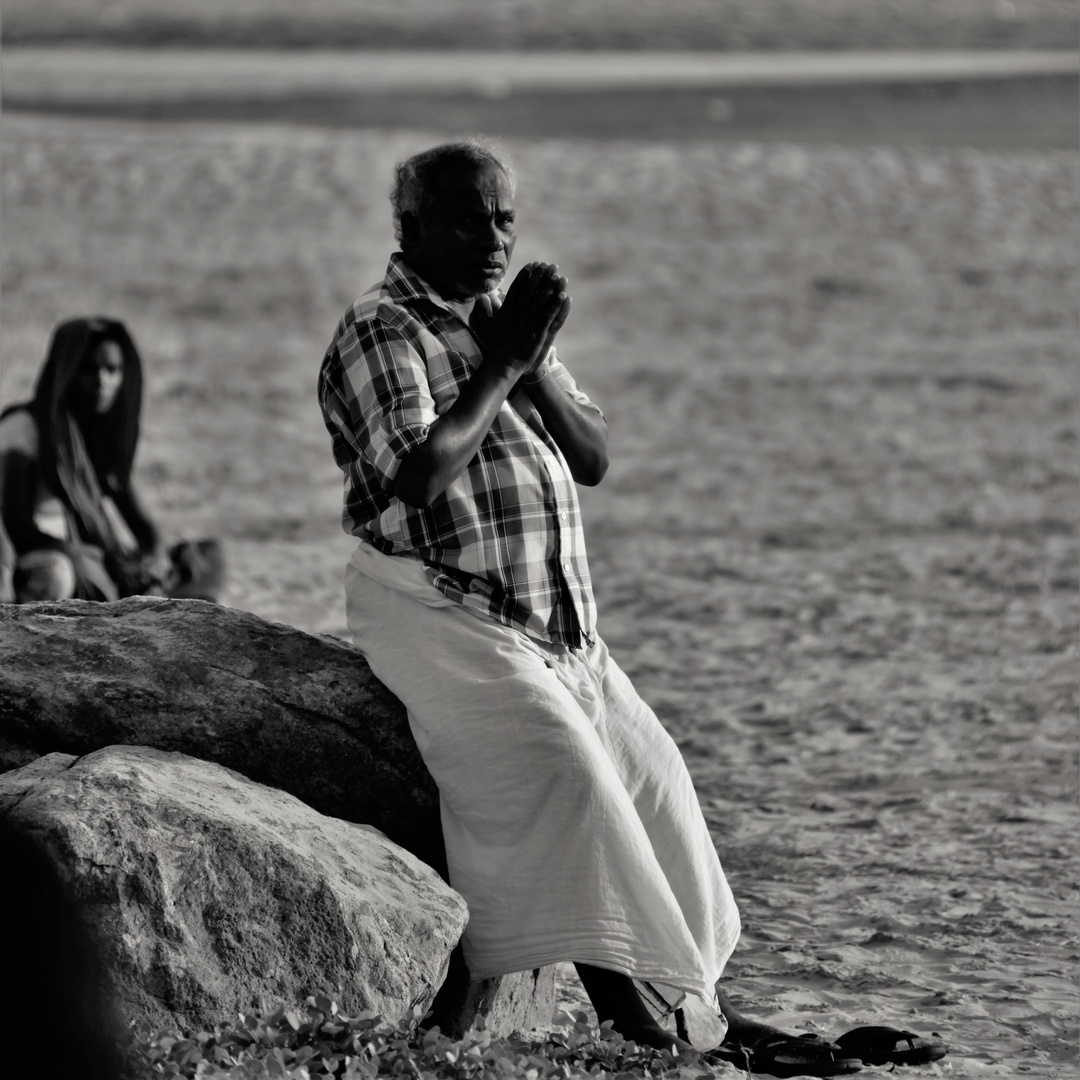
(539, 539)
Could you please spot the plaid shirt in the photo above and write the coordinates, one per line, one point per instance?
(505, 538)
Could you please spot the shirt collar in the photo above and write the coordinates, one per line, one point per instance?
(403, 283)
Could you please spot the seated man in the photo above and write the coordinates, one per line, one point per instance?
(571, 825)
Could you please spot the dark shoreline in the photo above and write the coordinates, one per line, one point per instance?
(806, 28)
(1040, 112)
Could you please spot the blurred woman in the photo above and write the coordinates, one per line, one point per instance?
(71, 524)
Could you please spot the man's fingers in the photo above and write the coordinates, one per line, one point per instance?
(556, 319)
(558, 300)
(563, 313)
(550, 286)
(534, 310)
(483, 312)
(533, 288)
(531, 307)
(522, 285)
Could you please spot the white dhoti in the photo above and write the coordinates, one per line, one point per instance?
(571, 825)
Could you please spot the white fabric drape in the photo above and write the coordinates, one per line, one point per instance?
(571, 825)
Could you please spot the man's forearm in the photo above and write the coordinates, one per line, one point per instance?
(581, 432)
(455, 437)
(514, 336)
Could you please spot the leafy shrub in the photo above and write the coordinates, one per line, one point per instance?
(316, 1040)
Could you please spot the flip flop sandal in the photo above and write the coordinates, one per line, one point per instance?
(799, 1055)
(885, 1046)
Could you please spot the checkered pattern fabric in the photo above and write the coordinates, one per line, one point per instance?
(505, 538)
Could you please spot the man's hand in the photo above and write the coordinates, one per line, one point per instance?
(519, 332)
(536, 306)
(515, 337)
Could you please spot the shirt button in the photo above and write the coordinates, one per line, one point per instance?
(566, 567)
(562, 514)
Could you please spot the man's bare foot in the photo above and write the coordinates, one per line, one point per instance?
(742, 1031)
(655, 1036)
(748, 1033)
(615, 997)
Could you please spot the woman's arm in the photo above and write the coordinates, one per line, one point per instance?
(7, 567)
(138, 520)
(7, 548)
(155, 570)
(19, 491)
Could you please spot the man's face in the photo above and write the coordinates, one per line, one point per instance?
(463, 245)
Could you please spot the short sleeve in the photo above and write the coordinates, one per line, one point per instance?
(558, 372)
(374, 391)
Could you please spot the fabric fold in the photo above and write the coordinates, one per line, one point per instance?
(572, 828)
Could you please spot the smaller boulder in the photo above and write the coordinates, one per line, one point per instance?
(207, 894)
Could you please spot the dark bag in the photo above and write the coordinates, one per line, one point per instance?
(131, 574)
(199, 567)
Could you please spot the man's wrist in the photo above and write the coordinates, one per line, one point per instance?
(501, 370)
(538, 374)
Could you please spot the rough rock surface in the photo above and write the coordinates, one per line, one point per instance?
(207, 893)
(285, 708)
(282, 707)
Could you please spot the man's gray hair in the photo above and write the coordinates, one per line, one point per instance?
(414, 178)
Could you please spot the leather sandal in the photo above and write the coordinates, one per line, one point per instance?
(890, 1046)
(797, 1055)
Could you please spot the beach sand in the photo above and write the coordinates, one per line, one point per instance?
(837, 547)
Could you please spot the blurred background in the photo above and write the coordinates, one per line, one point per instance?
(824, 261)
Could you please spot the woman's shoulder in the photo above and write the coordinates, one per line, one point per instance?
(19, 433)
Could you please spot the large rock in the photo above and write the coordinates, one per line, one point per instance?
(284, 708)
(207, 894)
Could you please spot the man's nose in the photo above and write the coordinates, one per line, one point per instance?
(492, 237)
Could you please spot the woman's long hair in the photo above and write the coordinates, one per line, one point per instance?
(83, 455)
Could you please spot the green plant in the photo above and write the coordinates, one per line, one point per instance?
(317, 1040)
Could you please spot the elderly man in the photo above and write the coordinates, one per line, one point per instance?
(571, 825)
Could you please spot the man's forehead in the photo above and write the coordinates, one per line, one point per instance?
(466, 182)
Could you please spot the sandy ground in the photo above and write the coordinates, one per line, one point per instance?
(837, 546)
